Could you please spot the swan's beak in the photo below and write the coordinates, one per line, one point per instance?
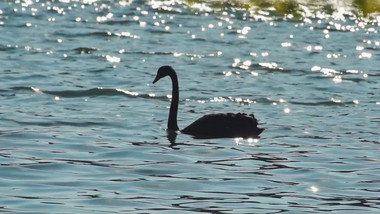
(156, 79)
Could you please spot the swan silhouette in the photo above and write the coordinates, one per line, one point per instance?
(222, 125)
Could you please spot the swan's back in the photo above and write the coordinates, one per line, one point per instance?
(224, 125)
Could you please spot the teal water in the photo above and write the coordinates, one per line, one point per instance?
(82, 128)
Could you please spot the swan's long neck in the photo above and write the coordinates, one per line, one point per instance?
(172, 121)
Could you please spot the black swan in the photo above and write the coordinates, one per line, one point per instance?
(224, 125)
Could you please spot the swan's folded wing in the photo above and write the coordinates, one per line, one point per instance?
(224, 125)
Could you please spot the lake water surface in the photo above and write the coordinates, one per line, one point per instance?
(82, 128)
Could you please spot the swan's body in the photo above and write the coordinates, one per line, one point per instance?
(211, 125)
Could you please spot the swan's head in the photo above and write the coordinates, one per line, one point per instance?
(162, 72)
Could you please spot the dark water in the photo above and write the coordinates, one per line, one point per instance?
(82, 129)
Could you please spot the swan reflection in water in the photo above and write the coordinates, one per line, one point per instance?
(222, 125)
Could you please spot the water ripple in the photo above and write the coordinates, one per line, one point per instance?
(83, 93)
